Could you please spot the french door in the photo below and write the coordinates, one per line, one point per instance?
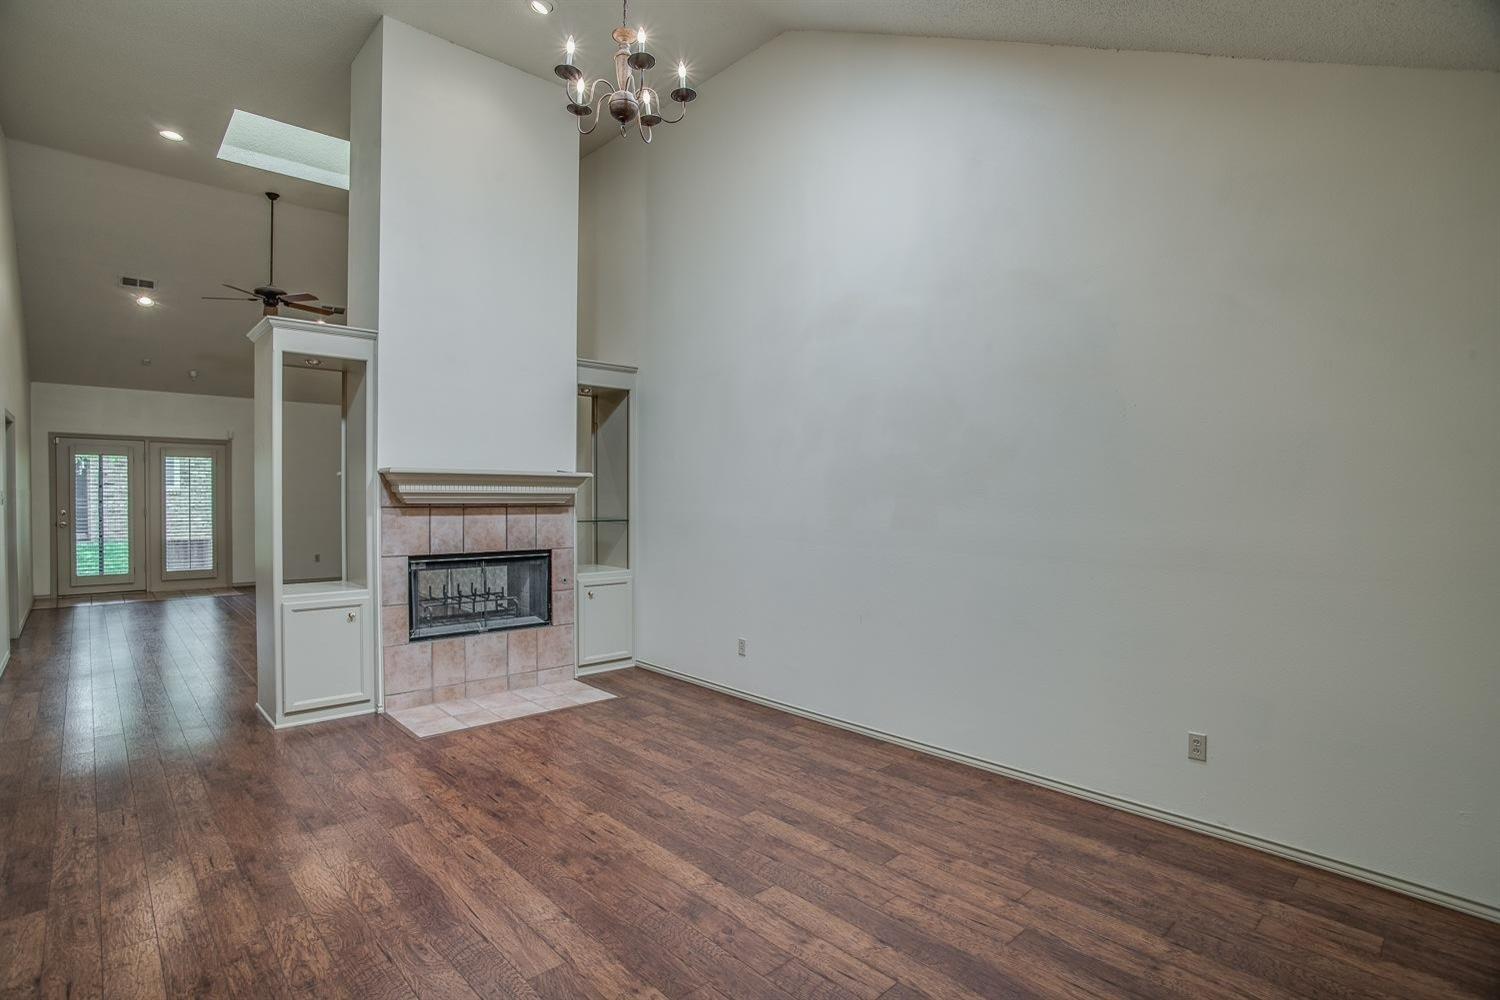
(100, 515)
(137, 515)
(187, 509)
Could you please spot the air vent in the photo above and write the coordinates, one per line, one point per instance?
(130, 282)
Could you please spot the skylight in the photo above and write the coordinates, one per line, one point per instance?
(268, 144)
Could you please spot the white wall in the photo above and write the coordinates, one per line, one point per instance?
(476, 272)
(312, 492)
(1045, 404)
(611, 216)
(14, 399)
(79, 409)
(365, 77)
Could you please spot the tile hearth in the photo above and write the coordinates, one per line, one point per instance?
(465, 713)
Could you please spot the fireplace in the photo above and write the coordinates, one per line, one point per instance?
(424, 658)
(479, 592)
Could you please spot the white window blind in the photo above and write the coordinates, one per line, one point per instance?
(188, 513)
(101, 514)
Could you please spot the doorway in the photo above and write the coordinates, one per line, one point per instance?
(12, 531)
(134, 514)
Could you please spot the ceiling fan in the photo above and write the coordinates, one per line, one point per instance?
(268, 295)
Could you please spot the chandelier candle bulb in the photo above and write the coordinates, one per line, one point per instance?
(565, 70)
(682, 74)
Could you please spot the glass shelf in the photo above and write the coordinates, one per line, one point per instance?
(603, 506)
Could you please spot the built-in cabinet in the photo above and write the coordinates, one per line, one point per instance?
(317, 644)
(328, 650)
(606, 608)
(605, 574)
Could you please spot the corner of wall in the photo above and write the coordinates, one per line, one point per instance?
(365, 79)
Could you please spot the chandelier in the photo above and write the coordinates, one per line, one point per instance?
(630, 99)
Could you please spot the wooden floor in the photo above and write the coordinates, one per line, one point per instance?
(157, 839)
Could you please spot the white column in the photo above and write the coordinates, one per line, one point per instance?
(463, 225)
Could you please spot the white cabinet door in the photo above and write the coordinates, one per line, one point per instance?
(604, 622)
(326, 658)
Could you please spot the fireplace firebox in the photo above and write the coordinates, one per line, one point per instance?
(479, 592)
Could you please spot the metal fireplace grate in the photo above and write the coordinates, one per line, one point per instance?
(479, 592)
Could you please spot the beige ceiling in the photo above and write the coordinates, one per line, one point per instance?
(99, 77)
(82, 223)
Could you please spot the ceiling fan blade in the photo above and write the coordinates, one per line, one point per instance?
(300, 297)
(312, 309)
(238, 288)
(229, 298)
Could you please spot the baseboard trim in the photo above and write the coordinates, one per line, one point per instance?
(363, 709)
(603, 668)
(1395, 884)
(5, 660)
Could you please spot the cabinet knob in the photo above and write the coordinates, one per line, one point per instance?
(351, 616)
(591, 595)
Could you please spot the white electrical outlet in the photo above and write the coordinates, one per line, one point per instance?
(1198, 747)
(742, 646)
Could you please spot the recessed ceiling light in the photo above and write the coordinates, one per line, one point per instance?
(170, 136)
(313, 362)
(145, 362)
(193, 374)
(144, 300)
(541, 7)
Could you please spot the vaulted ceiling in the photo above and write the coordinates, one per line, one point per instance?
(99, 77)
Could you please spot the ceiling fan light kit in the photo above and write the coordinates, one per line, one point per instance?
(629, 98)
(268, 295)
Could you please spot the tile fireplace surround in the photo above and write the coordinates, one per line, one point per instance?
(429, 671)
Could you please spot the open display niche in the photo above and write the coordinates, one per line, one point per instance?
(605, 575)
(316, 639)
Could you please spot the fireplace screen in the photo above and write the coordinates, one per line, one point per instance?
(457, 595)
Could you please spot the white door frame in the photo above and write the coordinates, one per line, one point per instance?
(11, 528)
(227, 493)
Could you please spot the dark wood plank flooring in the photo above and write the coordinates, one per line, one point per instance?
(157, 839)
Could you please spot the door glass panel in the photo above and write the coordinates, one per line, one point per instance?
(188, 513)
(101, 521)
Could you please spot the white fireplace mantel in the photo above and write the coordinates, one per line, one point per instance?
(456, 487)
